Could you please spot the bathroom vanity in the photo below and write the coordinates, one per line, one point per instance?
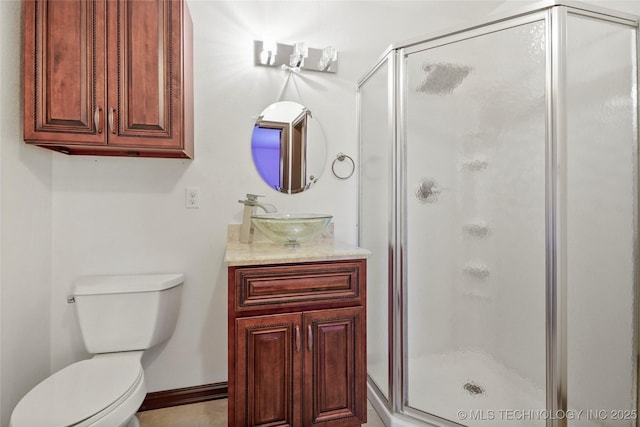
(297, 334)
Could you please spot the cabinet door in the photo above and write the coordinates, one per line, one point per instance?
(268, 370)
(144, 69)
(64, 71)
(334, 391)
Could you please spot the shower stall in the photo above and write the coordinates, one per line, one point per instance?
(499, 197)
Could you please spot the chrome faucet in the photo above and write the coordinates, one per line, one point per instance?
(250, 207)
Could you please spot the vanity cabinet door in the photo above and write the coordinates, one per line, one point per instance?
(268, 370)
(335, 368)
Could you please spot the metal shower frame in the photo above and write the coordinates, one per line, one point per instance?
(554, 13)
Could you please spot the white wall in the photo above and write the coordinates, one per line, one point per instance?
(25, 241)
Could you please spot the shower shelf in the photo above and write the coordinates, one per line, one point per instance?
(477, 271)
(476, 229)
(477, 294)
(476, 164)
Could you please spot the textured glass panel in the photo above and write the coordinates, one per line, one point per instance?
(601, 221)
(375, 180)
(475, 275)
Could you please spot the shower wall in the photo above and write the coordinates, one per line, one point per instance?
(502, 164)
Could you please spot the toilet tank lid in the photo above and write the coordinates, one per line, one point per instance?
(96, 285)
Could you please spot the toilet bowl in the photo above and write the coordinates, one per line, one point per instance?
(105, 391)
(120, 317)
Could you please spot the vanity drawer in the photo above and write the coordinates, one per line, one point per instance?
(306, 285)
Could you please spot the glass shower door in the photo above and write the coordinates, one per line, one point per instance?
(474, 238)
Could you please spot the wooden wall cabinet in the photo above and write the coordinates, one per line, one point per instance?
(297, 344)
(109, 77)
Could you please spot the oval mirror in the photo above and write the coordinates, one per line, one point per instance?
(288, 147)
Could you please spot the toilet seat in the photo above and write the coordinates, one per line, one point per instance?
(83, 393)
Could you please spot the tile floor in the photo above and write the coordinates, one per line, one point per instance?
(208, 414)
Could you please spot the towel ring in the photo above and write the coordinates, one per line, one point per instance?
(341, 157)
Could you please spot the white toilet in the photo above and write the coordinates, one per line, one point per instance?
(120, 317)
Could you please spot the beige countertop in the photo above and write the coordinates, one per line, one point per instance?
(263, 251)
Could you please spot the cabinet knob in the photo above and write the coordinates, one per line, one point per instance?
(309, 337)
(298, 338)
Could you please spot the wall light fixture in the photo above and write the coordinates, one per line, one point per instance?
(295, 57)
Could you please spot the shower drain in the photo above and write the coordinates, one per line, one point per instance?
(473, 388)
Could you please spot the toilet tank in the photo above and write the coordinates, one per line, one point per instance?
(127, 312)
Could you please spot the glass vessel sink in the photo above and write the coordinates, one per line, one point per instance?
(291, 229)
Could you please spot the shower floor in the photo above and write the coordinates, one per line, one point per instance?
(473, 389)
